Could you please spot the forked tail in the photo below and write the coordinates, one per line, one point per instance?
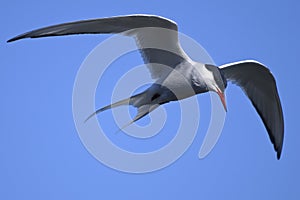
(139, 101)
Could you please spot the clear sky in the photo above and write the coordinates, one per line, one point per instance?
(42, 156)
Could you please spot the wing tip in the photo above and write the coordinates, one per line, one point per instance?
(278, 150)
(17, 38)
(11, 40)
(276, 144)
(278, 155)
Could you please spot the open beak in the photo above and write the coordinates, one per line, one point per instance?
(222, 97)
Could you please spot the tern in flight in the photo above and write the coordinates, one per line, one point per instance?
(176, 75)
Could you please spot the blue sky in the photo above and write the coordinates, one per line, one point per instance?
(42, 156)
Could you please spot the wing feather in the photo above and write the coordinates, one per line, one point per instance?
(156, 37)
(259, 85)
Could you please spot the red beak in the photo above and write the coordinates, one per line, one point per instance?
(222, 97)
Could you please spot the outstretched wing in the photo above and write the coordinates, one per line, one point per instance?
(156, 37)
(259, 85)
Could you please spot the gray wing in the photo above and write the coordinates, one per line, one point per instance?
(259, 85)
(156, 37)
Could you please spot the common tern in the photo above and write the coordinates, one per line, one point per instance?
(176, 75)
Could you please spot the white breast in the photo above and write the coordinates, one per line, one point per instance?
(179, 81)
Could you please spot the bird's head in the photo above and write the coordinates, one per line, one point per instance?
(216, 82)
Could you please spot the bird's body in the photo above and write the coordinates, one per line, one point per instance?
(176, 75)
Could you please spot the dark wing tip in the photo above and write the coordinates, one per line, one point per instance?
(22, 36)
(12, 39)
(278, 154)
(278, 150)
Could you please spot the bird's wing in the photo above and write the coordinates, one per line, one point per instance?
(156, 37)
(259, 85)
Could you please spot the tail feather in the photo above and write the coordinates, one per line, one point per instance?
(119, 103)
(139, 101)
(142, 112)
(128, 101)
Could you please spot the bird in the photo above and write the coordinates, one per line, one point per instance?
(176, 76)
